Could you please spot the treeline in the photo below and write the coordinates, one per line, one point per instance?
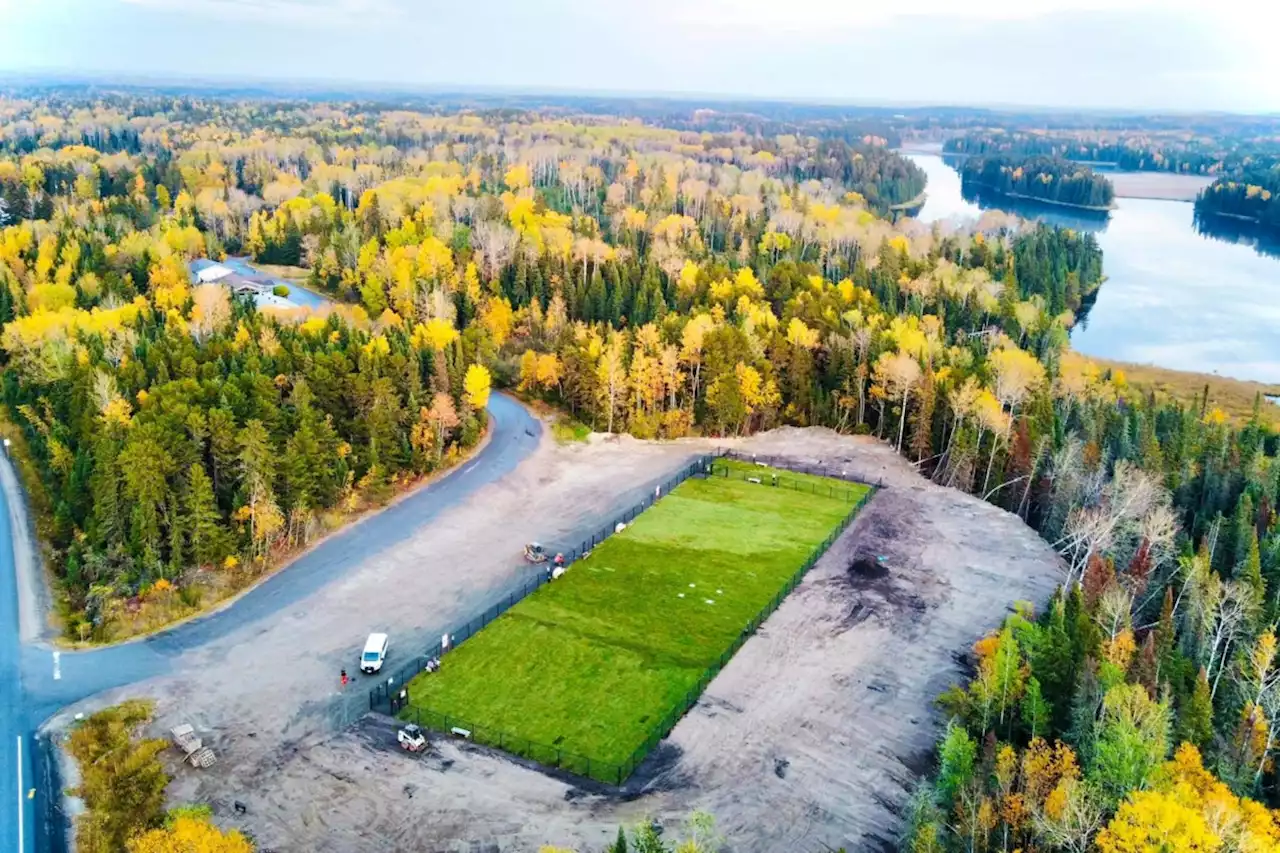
(877, 174)
(178, 432)
(1044, 179)
(1136, 151)
(1253, 196)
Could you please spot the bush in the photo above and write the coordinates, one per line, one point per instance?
(567, 431)
(121, 780)
(281, 290)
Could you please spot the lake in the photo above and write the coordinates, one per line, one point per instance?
(1176, 295)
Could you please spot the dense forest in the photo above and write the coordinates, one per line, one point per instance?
(1045, 179)
(1136, 151)
(1253, 196)
(661, 282)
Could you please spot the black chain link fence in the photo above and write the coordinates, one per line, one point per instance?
(391, 696)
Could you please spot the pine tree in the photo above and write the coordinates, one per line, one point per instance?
(519, 294)
(595, 306)
(177, 542)
(620, 843)
(1034, 710)
(1249, 571)
(301, 465)
(1243, 532)
(222, 450)
(1195, 717)
(108, 518)
(1055, 662)
(201, 517)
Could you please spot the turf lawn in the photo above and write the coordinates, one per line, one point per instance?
(593, 663)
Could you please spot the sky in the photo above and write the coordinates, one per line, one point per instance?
(1126, 54)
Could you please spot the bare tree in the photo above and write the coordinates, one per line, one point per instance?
(1107, 517)
(897, 373)
(496, 243)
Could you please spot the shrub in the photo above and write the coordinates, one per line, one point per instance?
(567, 431)
(281, 290)
(121, 780)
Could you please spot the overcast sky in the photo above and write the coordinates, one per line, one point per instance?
(1156, 54)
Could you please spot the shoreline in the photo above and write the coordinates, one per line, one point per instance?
(1151, 185)
(1240, 217)
(911, 204)
(1021, 197)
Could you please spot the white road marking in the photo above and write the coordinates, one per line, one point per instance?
(21, 815)
(470, 468)
(57, 666)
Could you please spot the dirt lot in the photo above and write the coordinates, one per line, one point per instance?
(811, 736)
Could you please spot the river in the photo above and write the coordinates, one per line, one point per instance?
(1173, 296)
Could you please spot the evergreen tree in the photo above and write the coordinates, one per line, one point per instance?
(1195, 717)
(201, 518)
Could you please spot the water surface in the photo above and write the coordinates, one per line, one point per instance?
(1175, 295)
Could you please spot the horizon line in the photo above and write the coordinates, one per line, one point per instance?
(280, 86)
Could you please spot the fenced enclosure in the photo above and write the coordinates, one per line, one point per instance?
(393, 696)
(385, 697)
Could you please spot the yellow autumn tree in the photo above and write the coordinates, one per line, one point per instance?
(1189, 810)
(528, 370)
(548, 371)
(1156, 822)
(476, 386)
(800, 335)
(498, 318)
(437, 333)
(517, 177)
(190, 834)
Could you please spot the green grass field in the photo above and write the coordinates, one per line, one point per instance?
(595, 663)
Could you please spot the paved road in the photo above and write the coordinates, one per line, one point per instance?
(34, 683)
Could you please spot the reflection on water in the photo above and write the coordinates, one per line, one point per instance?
(1237, 231)
(1068, 217)
(1177, 294)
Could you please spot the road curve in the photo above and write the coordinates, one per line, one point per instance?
(30, 692)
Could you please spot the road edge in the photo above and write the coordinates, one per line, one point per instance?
(33, 594)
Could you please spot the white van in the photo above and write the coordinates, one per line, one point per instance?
(375, 652)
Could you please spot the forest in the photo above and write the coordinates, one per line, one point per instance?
(660, 282)
(1185, 152)
(1252, 196)
(1044, 179)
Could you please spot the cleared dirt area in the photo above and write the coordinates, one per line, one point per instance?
(812, 735)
